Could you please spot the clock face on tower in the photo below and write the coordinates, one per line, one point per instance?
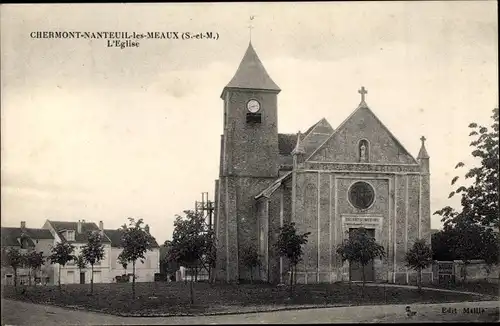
(253, 106)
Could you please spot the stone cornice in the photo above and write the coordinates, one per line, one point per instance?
(360, 167)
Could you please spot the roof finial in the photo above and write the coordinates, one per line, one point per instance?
(298, 146)
(363, 92)
(423, 139)
(250, 27)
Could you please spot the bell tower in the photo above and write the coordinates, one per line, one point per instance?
(251, 120)
(249, 163)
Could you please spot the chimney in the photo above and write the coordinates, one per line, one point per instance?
(79, 226)
(23, 225)
(101, 227)
(146, 228)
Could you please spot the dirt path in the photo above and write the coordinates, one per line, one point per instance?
(22, 313)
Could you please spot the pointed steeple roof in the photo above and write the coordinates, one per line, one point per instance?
(251, 74)
(422, 154)
(299, 149)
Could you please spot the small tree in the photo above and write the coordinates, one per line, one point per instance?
(80, 262)
(251, 259)
(93, 252)
(360, 247)
(441, 245)
(13, 258)
(34, 261)
(135, 243)
(419, 257)
(191, 242)
(210, 255)
(491, 249)
(168, 263)
(467, 243)
(61, 254)
(289, 245)
(123, 261)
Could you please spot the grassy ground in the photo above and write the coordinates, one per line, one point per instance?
(173, 298)
(477, 286)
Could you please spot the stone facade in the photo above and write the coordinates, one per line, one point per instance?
(256, 192)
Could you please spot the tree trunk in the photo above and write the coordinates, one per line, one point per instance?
(15, 279)
(464, 272)
(251, 275)
(363, 278)
(133, 280)
(350, 276)
(419, 279)
(212, 275)
(92, 279)
(191, 291)
(291, 280)
(29, 276)
(59, 277)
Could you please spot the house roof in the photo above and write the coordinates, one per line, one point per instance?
(116, 238)
(11, 235)
(251, 74)
(80, 237)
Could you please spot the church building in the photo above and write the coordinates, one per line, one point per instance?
(327, 180)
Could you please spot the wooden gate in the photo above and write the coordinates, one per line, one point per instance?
(446, 273)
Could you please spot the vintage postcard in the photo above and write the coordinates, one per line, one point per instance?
(225, 163)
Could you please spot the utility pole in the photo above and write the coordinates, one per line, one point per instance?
(206, 208)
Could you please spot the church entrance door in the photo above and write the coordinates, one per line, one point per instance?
(356, 269)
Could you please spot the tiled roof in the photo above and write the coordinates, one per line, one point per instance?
(11, 235)
(272, 188)
(286, 143)
(252, 74)
(116, 235)
(81, 237)
(310, 129)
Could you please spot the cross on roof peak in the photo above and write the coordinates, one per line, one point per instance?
(250, 27)
(363, 92)
(423, 139)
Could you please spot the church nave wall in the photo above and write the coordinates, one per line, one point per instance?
(413, 208)
(400, 207)
(325, 231)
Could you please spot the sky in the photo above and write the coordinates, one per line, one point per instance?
(102, 133)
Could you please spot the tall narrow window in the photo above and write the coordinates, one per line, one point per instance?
(70, 235)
